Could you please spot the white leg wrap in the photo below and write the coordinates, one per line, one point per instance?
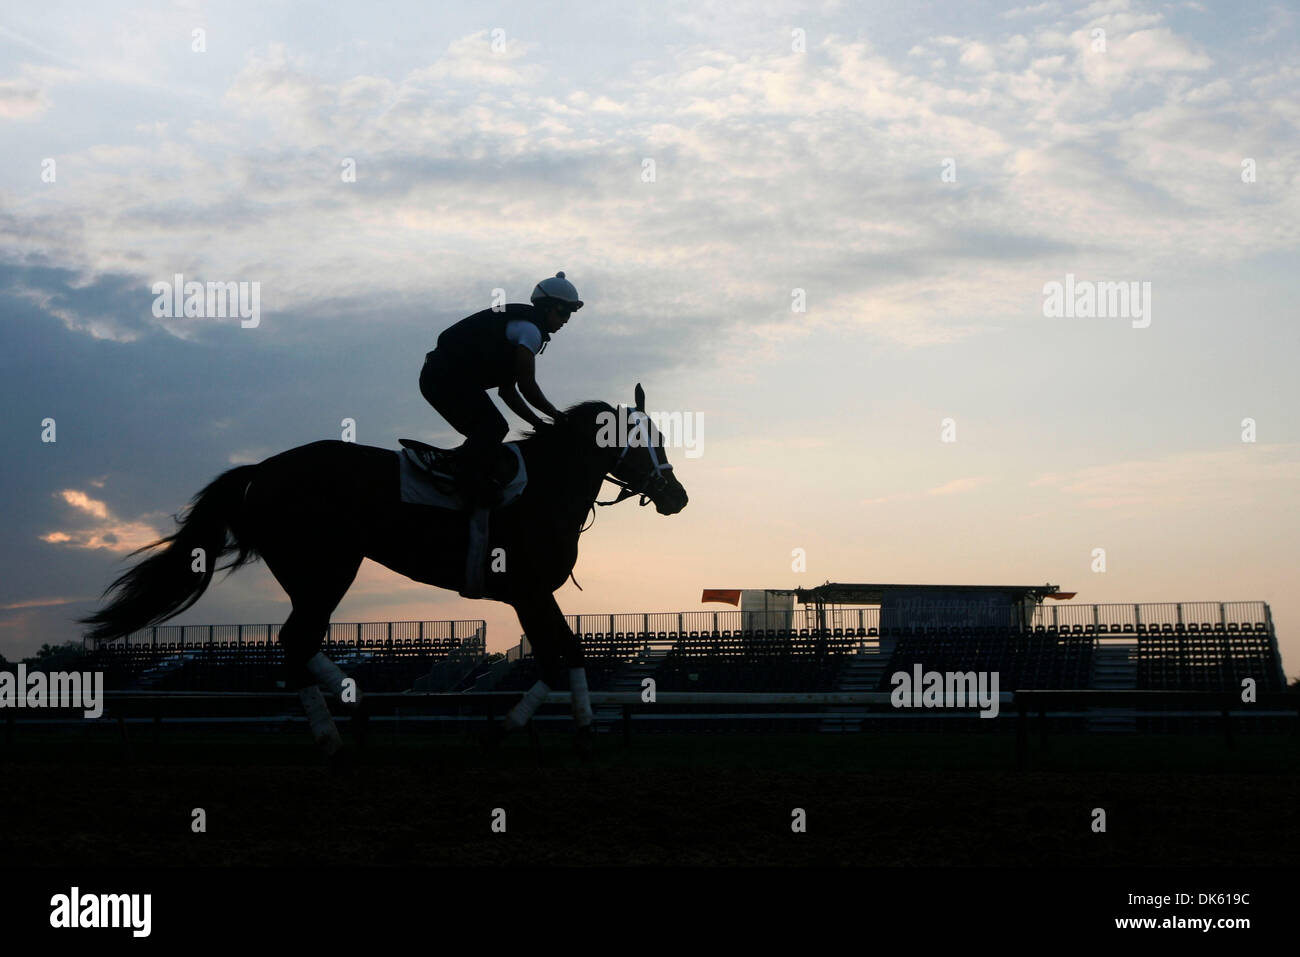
(522, 713)
(322, 724)
(581, 698)
(326, 672)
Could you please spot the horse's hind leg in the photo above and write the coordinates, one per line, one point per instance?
(301, 637)
(316, 581)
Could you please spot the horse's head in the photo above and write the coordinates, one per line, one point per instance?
(638, 462)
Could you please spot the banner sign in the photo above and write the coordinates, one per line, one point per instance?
(935, 608)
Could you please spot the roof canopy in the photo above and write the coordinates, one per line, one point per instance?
(836, 593)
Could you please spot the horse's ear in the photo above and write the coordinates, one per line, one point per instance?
(640, 398)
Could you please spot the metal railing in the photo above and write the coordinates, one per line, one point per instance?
(470, 636)
(685, 622)
(1050, 615)
(1129, 616)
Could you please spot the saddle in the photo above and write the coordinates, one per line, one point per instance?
(426, 477)
(440, 464)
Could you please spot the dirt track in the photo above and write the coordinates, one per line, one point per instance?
(703, 800)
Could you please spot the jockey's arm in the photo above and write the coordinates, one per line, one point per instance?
(526, 376)
(517, 405)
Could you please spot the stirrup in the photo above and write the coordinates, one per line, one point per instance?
(432, 462)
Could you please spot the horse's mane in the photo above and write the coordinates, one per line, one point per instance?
(581, 412)
(548, 447)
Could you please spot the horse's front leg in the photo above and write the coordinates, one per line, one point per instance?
(568, 651)
(556, 650)
(566, 655)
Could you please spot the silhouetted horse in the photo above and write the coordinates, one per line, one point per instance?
(314, 512)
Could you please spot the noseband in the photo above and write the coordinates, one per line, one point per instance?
(654, 479)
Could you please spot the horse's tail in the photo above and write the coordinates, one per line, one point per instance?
(165, 584)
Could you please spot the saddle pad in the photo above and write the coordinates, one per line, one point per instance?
(418, 489)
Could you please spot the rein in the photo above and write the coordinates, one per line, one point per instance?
(653, 478)
(649, 483)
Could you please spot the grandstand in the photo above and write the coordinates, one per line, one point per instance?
(1188, 646)
(1185, 646)
(381, 655)
(825, 647)
(1200, 646)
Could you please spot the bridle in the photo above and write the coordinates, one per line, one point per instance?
(654, 479)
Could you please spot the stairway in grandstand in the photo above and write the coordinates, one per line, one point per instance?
(629, 678)
(1114, 667)
(150, 677)
(486, 680)
(352, 658)
(862, 672)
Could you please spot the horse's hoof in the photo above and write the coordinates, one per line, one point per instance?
(584, 744)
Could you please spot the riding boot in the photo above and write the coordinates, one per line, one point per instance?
(476, 554)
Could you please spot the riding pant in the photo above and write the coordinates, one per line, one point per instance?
(466, 407)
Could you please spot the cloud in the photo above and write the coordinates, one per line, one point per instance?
(84, 502)
(1144, 52)
(977, 56)
(28, 96)
(79, 314)
(105, 532)
(1179, 481)
(955, 487)
(481, 58)
(1038, 9)
(478, 150)
(958, 485)
(1216, 90)
(1280, 21)
(38, 603)
(18, 101)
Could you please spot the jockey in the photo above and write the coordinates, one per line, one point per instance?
(494, 349)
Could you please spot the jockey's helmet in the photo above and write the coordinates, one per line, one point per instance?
(558, 290)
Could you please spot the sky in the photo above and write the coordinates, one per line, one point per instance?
(826, 232)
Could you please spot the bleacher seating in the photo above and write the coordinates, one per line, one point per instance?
(1169, 656)
(1047, 658)
(259, 666)
(1207, 660)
